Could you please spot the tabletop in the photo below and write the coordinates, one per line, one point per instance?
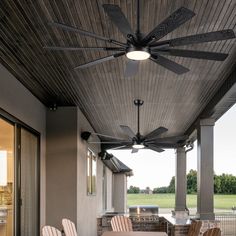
(134, 233)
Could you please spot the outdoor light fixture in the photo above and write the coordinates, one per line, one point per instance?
(138, 54)
(138, 145)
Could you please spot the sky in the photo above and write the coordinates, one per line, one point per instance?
(152, 169)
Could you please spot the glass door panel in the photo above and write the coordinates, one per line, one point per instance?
(29, 182)
(6, 178)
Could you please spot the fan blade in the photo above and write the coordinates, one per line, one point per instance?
(127, 130)
(155, 133)
(76, 30)
(118, 18)
(100, 60)
(176, 19)
(155, 148)
(199, 38)
(167, 139)
(112, 142)
(84, 32)
(58, 48)
(168, 64)
(121, 147)
(134, 150)
(194, 54)
(131, 68)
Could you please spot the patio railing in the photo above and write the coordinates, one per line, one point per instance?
(227, 223)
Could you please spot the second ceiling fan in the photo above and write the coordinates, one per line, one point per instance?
(137, 47)
(137, 141)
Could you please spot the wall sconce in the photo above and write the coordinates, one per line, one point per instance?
(3, 168)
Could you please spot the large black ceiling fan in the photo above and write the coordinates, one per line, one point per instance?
(138, 48)
(137, 141)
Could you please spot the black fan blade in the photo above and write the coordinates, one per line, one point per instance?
(199, 38)
(194, 54)
(112, 142)
(100, 60)
(176, 19)
(174, 139)
(76, 30)
(58, 48)
(128, 131)
(155, 133)
(84, 32)
(118, 18)
(155, 148)
(168, 64)
(134, 150)
(131, 68)
(121, 147)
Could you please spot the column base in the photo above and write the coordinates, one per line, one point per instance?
(206, 216)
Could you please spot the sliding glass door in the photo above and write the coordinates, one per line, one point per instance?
(29, 183)
(7, 157)
(19, 179)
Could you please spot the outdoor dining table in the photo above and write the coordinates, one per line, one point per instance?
(134, 233)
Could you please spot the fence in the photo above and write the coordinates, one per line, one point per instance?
(227, 223)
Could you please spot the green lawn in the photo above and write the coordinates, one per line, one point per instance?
(168, 200)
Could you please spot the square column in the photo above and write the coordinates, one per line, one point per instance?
(205, 173)
(180, 180)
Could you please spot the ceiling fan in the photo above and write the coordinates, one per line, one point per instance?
(137, 141)
(137, 47)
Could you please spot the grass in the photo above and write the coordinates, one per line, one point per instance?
(168, 200)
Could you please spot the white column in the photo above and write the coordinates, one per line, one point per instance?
(205, 173)
(180, 180)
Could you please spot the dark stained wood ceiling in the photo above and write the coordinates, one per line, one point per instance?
(102, 92)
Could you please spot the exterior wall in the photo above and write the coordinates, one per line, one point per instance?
(20, 103)
(109, 178)
(120, 188)
(88, 207)
(61, 164)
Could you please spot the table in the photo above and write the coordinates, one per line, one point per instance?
(134, 233)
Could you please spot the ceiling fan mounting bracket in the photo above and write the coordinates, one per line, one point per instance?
(138, 102)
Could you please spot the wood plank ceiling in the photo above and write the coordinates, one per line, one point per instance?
(102, 92)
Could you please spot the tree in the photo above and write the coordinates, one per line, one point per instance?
(192, 181)
(133, 189)
(171, 187)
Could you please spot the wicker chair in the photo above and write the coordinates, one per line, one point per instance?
(195, 228)
(212, 232)
(50, 231)
(69, 227)
(121, 223)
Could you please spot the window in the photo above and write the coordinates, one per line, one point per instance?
(91, 173)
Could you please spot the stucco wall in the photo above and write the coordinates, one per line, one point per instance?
(88, 207)
(20, 103)
(61, 161)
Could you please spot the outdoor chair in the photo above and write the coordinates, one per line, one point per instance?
(212, 232)
(50, 231)
(195, 228)
(69, 227)
(121, 223)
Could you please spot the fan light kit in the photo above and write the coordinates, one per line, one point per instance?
(138, 146)
(137, 54)
(137, 141)
(138, 47)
